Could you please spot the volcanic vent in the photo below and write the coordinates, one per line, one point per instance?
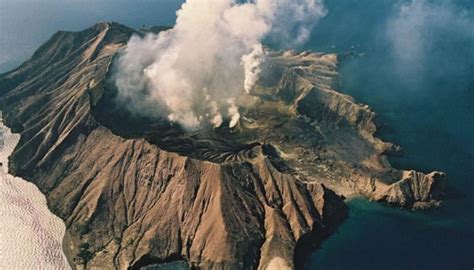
(135, 190)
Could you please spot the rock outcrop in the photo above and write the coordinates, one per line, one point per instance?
(137, 194)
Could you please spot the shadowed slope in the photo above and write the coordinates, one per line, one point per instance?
(134, 193)
(127, 202)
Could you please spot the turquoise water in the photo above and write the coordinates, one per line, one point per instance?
(417, 73)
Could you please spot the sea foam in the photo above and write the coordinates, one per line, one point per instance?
(30, 235)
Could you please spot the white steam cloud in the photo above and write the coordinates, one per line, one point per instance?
(423, 29)
(193, 73)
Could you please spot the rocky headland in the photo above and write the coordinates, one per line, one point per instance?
(135, 191)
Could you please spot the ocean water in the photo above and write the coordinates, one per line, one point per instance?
(26, 24)
(416, 70)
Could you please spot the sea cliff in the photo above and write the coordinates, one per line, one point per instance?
(139, 192)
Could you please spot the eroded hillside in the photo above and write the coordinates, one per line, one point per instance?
(139, 191)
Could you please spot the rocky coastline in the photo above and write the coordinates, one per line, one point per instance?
(230, 199)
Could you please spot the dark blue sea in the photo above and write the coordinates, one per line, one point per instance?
(415, 68)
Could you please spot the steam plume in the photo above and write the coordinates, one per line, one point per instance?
(193, 73)
(422, 31)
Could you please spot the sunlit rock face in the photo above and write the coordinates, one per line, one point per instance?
(140, 191)
(30, 235)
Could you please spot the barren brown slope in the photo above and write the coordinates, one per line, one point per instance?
(327, 137)
(221, 199)
(127, 202)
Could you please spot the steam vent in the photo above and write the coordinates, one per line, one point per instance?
(136, 191)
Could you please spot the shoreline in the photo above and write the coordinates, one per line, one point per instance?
(24, 209)
(65, 249)
(87, 146)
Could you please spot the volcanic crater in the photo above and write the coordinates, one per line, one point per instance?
(135, 191)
